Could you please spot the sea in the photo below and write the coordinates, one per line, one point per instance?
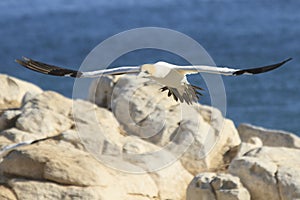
(235, 33)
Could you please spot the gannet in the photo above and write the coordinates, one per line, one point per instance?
(172, 77)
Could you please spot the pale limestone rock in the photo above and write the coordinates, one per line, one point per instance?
(68, 167)
(135, 186)
(289, 182)
(281, 156)
(145, 112)
(50, 100)
(252, 143)
(172, 181)
(42, 121)
(16, 135)
(46, 114)
(209, 150)
(100, 91)
(209, 186)
(273, 138)
(288, 169)
(97, 129)
(7, 118)
(258, 176)
(56, 163)
(165, 169)
(270, 172)
(6, 194)
(13, 90)
(30, 189)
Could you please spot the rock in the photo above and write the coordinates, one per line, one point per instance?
(216, 186)
(211, 148)
(13, 90)
(14, 135)
(172, 181)
(252, 143)
(258, 176)
(145, 112)
(8, 118)
(97, 128)
(51, 101)
(273, 138)
(41, 162)
(42, 121)
(30, 189)
(46, 114)
(72, 173)
(6, 194)
(101, 90)
(167, 172)
(269, 172)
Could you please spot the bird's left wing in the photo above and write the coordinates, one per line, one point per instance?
(58, 71)
(225, 70)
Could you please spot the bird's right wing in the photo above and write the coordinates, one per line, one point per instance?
(58, 71)
(225, 70)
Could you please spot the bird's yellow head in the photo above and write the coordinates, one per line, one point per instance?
(157, 70)
(148, 70)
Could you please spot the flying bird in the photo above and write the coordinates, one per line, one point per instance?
(172, 77)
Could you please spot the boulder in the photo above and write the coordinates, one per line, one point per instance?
(8, 118)
(97, 128)
(73, 172)
(51, 101)
(211, 149)
(6, 193)
(143, 110)
(46, 114)
(13, 90)
(216, 186)
(258, 176)
(14, 135)
(252, 143)
(272, 138)
(269, 172)
(201, 132)
(100, 91)
(43, 122)
(32, 189)
(55, 163)
(165, 169)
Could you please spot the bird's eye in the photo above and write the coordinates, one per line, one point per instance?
(146, 72)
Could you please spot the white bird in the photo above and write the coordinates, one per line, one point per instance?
(172, 77)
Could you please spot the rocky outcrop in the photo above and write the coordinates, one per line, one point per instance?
(272, 138)
(135, 143)
(216, 187)
(13, 91)
(269, 172)
(198, 134)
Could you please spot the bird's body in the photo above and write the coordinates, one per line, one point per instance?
(172, 77)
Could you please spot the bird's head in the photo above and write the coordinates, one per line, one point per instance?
(148, 70)
(157, 70)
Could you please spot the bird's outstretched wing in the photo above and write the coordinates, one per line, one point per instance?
(226, 70)
(58, 71)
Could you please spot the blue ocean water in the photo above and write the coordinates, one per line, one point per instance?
(234, 32)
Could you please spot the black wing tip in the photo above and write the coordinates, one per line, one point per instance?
(47, 69)
(261, 69)
(287, 60)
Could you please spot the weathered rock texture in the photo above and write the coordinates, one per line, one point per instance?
(135, 143)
